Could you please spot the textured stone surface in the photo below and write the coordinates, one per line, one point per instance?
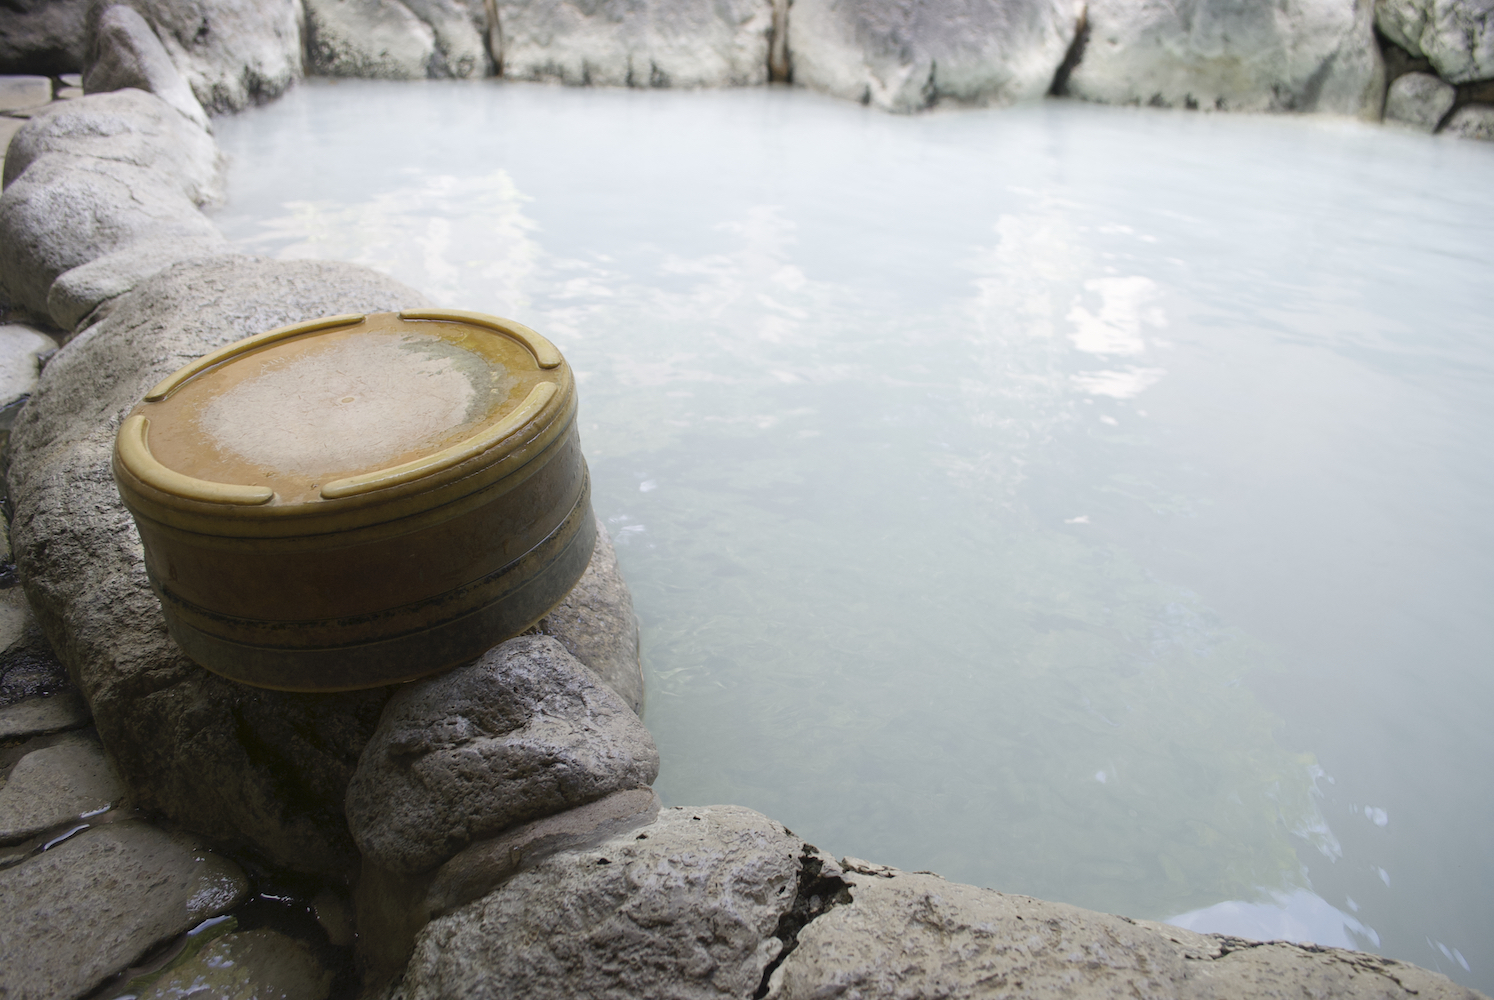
(1457, 36)
(916, 935)
(242, 765)
(76, 293)
(524, 731)
(124, 52)
(683, 908)
(259, 964)
(42, 714)
(596, 624)
(637, 43)
(19, 347)
(18, 93)
(56, 784)
(41, 36)
(233, 53)
(86, 909)
(130, 128)
(904, 56)
(459, 28)
(1296, 55)
(379, 39)
(28, 667)
(1473, 121)
(66, 210)
(1419, 100)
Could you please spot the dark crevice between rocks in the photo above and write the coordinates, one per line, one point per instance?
(818, 891)
(780, 66)
(1072, 58)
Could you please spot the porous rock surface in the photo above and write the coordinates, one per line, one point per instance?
(1419, 100)
(42, 36)
(378, 39)
(523, 732)
(684, 908)
(596, 624)
(636, 43)
(124, 52)
(233, 53)
(55, 784)
(916, 935)
(20, 348)
(239, 764)
(1295, 55)
(905, 56)
(79, 912)
(1472, 121)
(1456, 36)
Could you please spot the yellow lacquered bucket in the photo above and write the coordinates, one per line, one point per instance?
(359, 500)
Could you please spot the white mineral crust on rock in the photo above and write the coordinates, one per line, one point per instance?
(1456, 36)
(636, 43)
(904, 56)
(379, 39)
(1296, 55)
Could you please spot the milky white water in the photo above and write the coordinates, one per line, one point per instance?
(1085, 502)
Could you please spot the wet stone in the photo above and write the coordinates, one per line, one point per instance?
(50, 714)
(91, 906)
(48, 787)
(260, 964)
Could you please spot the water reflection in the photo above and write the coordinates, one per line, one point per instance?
(939, 513)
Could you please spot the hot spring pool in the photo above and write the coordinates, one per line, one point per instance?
(1085, 502)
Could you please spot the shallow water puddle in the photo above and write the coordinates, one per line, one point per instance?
(1083, 502)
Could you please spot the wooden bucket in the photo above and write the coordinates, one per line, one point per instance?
(359, 500)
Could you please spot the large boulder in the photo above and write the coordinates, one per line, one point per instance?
(65, 211)
(1295, 55)
(916, 935)
(124, 52)
(906, 55)
(1472, 121)
(80, 912)
(41, 36)
(1419, 100)
(244, 766)
(687, 907)
(627, 43)
(460, 29)
(378, 39)
(233, 53)
(1456, 36)
(127, 127)
(523, 732)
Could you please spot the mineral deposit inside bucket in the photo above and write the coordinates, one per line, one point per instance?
(301, 412)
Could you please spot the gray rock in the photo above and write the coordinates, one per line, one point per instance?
(523, 732)
(42, 714)
(1419, 100)
(77, 293)
(1472, 121)
(42, 36)
(905, 56)
(596, 624)
(20, 347)
(1457, 36)
(29, 669)
(377, 39)
(1297, 55)
(124, 52)
(246, 965)
(617, 43)
(18, 93)
(241, 765)
(916, 935)
(65, 210)
(460, 29)
(128, 127)
(55, 784)
(233, 53)
(8, 128)
(684, 908)
(78, 913)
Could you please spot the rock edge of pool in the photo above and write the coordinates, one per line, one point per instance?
(492, 830)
